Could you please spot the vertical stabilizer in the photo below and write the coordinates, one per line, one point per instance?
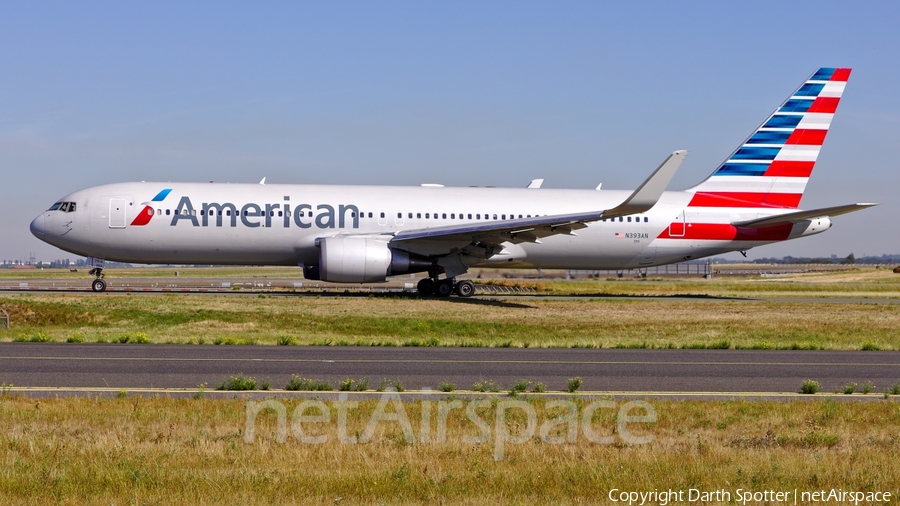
(771, 168)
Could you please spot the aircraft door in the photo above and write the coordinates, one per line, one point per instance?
(648, 255)
(117, 208)
(676, 228)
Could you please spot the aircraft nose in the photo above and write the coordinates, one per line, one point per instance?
(37, 227)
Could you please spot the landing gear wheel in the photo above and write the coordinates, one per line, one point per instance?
(425, 287)
(445, 287)
(465, 288)
(98, 285)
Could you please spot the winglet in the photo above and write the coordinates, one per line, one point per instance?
(263, 182)
(649, 192)
(535, 183)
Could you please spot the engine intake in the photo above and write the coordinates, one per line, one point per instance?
(365, 260)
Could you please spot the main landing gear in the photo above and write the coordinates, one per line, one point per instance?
(445, 287)
(98, 285)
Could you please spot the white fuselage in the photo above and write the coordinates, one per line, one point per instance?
(280, 224)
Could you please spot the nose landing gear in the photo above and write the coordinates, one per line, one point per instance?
(98, 285)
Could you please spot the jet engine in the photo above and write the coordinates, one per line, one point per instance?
(365, 260)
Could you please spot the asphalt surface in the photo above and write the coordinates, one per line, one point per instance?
(131, 366)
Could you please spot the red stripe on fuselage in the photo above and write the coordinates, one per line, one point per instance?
(143, 217)
(807, 137)
(728, 232)
(744, 199)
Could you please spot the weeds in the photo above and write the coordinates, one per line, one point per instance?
(287, 341)
(308, 385)
(539, 388)
(520, 387)
(849, 388)
(201, 388)
(485, 386)
(868, 387)
(134, 337)
(446, 387)
(574, 384)
(809, 387)
(239, 382)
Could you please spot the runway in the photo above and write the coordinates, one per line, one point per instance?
(131, 366)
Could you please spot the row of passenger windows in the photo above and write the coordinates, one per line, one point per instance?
(66, 207)
(70, 207)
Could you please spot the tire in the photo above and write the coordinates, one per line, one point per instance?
(98, 285)
(465, 289)
(445, 288)
(425, 287)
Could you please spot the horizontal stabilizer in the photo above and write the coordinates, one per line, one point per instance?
(802, 215)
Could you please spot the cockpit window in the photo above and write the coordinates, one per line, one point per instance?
(66, 207)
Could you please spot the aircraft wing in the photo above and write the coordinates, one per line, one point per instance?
(532, 229)
(802, 216)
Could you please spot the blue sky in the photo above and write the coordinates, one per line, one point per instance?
(461, 93)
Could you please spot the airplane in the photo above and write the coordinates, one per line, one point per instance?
(365, 234)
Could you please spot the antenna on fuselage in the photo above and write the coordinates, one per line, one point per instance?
(263, 182)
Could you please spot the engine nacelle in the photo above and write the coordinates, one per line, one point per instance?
(364, 260)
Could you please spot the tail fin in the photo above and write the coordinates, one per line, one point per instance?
(771, 168)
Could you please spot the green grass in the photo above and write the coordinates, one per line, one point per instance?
(386, 321)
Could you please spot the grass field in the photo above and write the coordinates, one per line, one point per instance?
(135, 450)
(402, 321)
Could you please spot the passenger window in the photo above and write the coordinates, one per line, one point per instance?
(193, 211)
(629, 219)
(470, 216)
(444, 216)
(382, 214)
(419, 215)
(370, 215)
(279, 214)
(410, 215)
(504, 216)
(168, 212)
(452, 216)
(400, 215)
(646, 219)
(159, 212)
(621, 219)
(477, 216)
(427, 215)
(495, 216)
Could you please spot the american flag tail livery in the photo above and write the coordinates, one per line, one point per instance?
(771, 168)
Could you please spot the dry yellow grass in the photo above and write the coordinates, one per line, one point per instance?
(164, 451)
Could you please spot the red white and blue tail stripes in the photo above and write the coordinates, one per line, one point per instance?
(771, 168)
